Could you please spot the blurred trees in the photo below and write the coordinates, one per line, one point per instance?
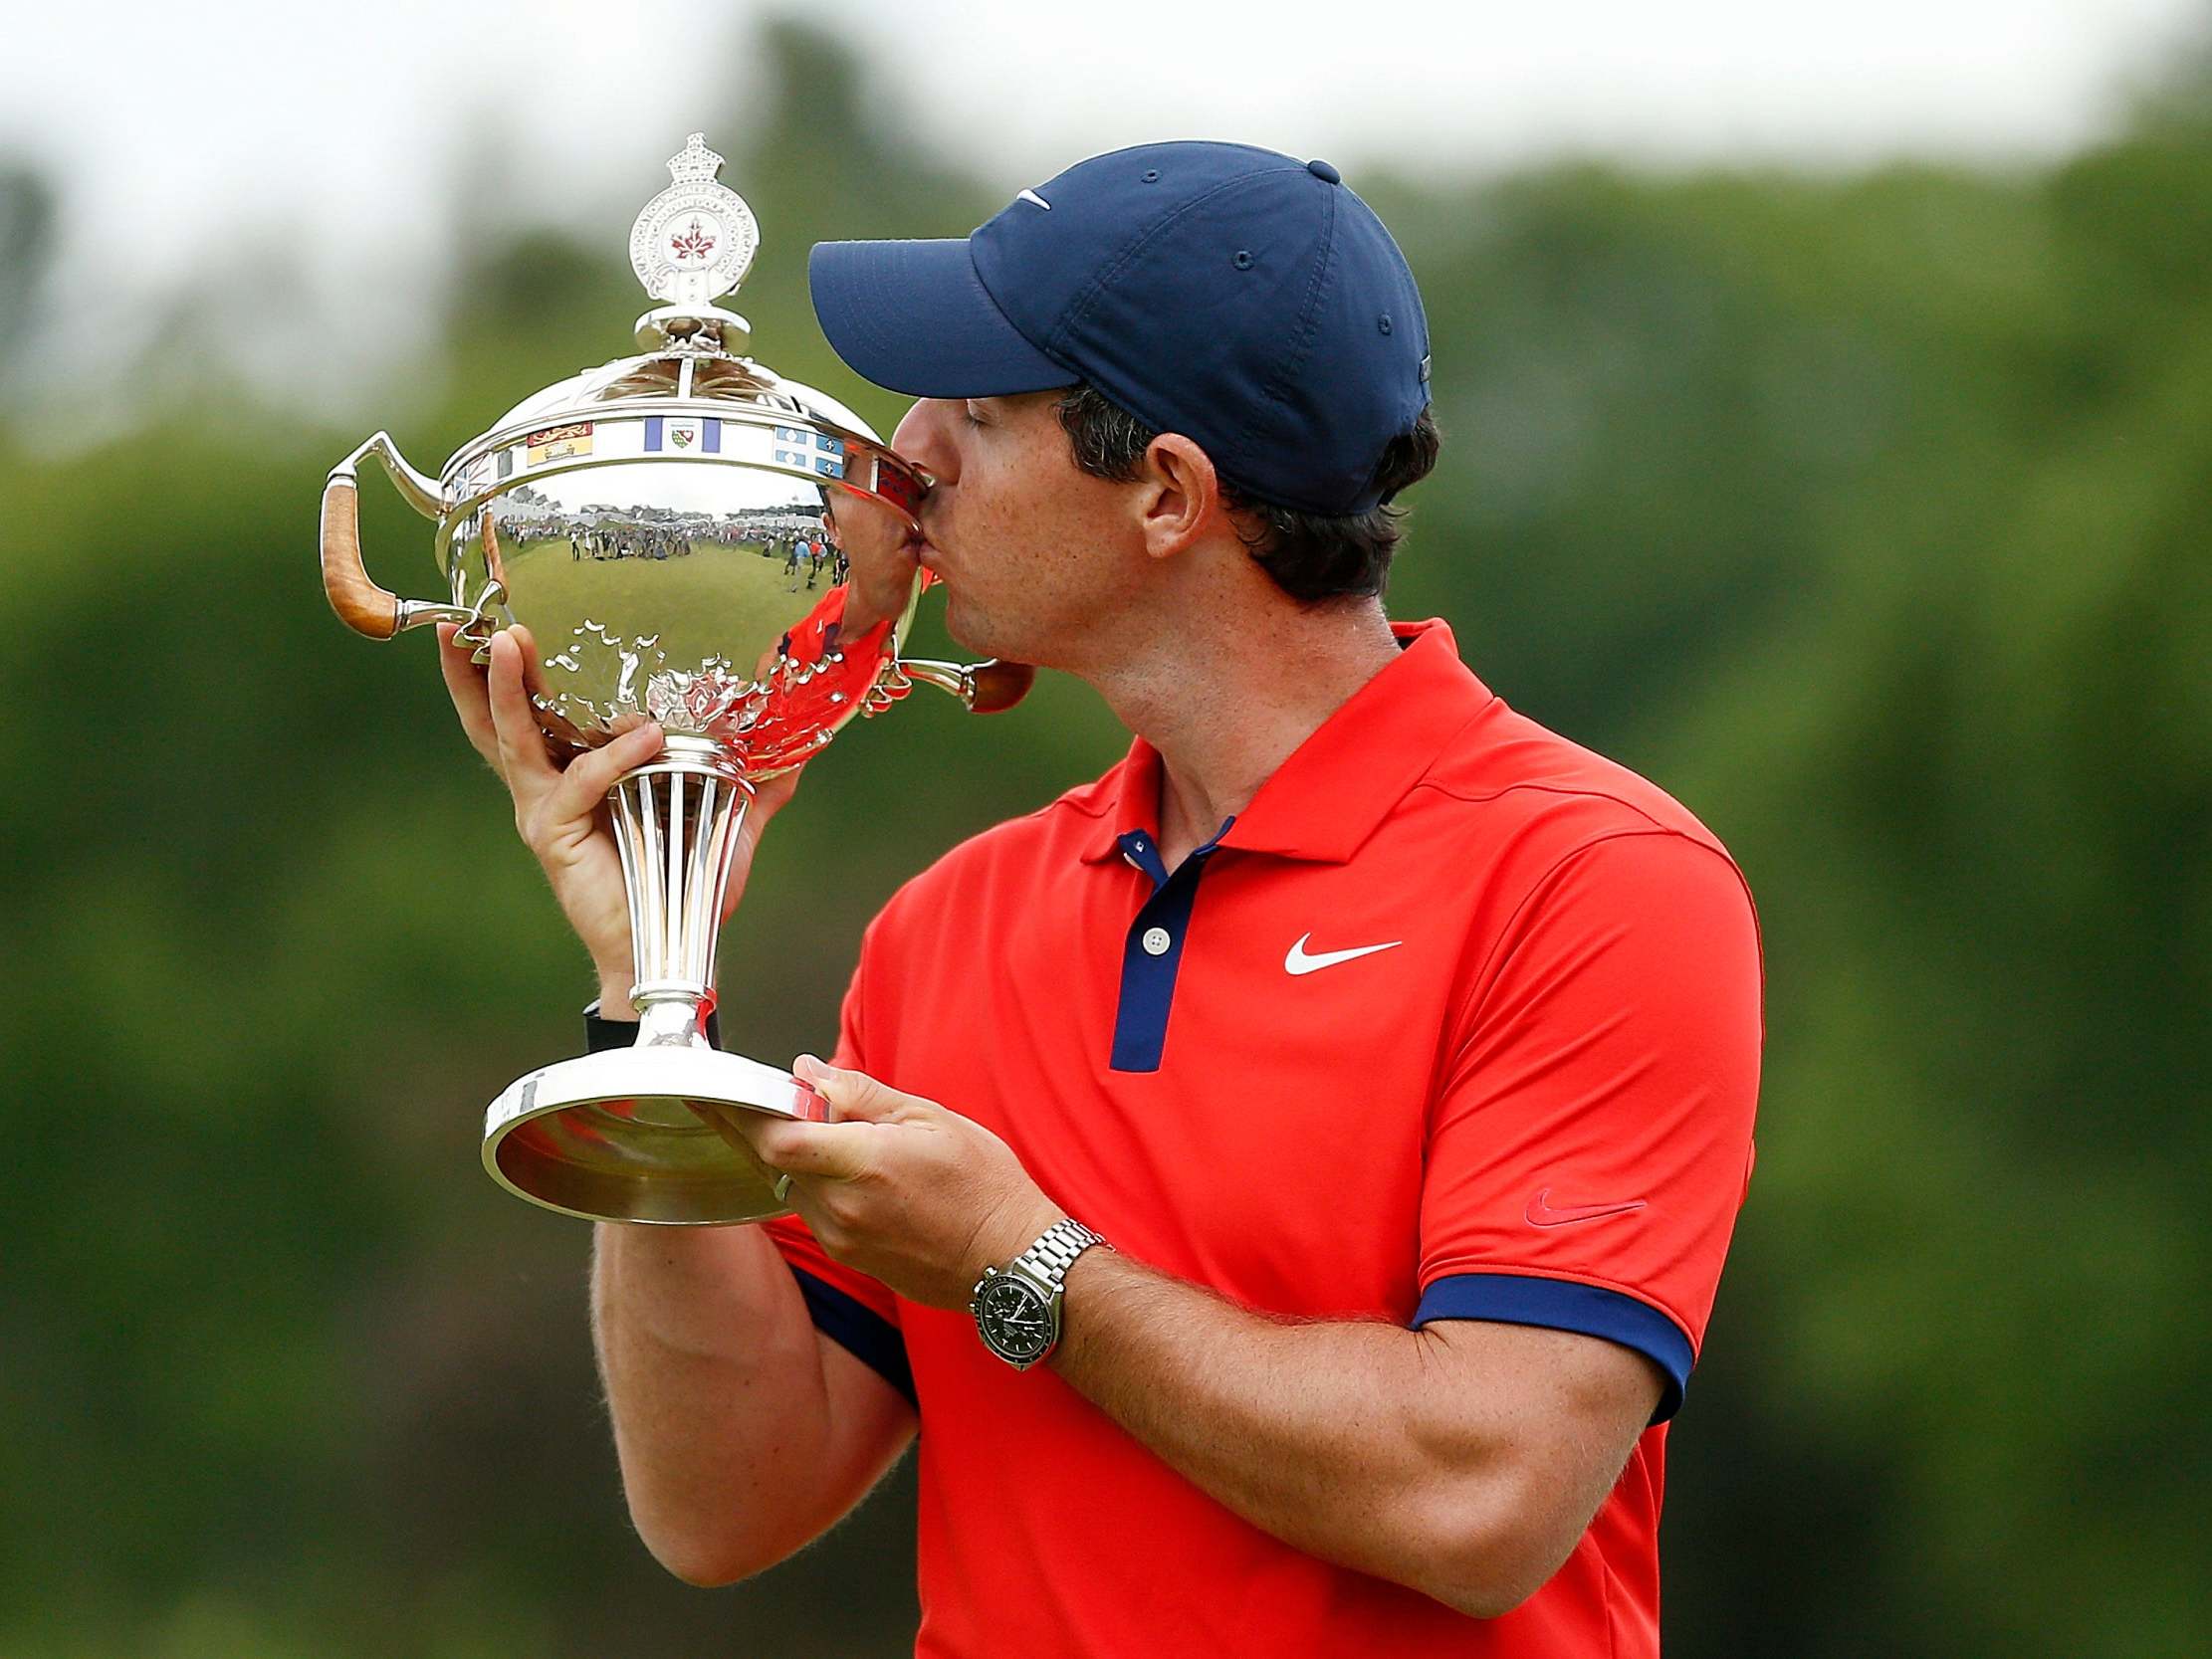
(1867, 515)
(26, 237)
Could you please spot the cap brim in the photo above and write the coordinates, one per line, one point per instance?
(914, 316)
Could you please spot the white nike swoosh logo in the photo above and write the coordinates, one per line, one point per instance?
(1300, 962)
(1032, 196)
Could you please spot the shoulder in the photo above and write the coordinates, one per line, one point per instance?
(1589, 882)
(1534, 800)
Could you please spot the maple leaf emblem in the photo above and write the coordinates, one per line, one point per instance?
(694, 243)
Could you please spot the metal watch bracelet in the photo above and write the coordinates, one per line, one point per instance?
(1055, 1252)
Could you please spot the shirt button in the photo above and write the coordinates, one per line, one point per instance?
(1156, 942)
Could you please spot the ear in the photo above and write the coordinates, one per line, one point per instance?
(1181, 499)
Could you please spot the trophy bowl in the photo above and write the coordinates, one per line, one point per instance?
(692, 539)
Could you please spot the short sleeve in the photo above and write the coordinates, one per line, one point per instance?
(1591, 1145)
(856, 1312)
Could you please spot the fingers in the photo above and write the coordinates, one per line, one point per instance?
(577, 791)
(464, 683)
(811, 1152)
(554, 805)
(843, 1149)
(855, 1096)
(522, 748)
(723, 1120)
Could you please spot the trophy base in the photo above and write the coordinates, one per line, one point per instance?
(630, 1134)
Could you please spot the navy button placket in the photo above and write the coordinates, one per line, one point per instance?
(1152, 951)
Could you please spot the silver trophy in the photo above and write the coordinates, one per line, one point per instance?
(692, 539)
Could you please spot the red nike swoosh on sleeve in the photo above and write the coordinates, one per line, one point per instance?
(1542, 1214)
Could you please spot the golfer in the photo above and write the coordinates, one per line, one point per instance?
(1282, 1182)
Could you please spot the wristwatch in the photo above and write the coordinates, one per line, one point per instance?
(1017, 1306)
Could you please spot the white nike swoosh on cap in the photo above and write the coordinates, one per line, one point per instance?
(1032, 196)
(1297, 961)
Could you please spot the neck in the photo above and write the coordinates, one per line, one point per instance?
(1226, 703)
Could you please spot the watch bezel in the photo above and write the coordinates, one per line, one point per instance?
(1047, 1301)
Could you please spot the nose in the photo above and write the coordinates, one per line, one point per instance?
(925, 437)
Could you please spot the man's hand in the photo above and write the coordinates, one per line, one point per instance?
(1462, 1460)
(907, 1191)
(561, 811)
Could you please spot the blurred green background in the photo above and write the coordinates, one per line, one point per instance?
(1867, 514)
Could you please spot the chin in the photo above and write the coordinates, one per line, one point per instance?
(981, 634)
(969, 631)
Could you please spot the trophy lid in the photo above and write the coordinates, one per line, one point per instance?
(693, 243)
(689, 537)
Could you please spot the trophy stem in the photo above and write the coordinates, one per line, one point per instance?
(642, 1133)
(676, 823)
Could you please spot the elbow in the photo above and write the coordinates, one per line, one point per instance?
(702, 1563)
(707, 1572)
(1479, 1590)
(705, 1556)
(1483, 1588)
(1486, 1553)
(1484, 1596)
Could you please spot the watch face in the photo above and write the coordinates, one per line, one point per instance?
(1013, 1315)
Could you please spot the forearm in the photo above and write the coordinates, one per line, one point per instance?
(1326, 1435)
(713, 1375)
(1464, 1460)
(714, 1379)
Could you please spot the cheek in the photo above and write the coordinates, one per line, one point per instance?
(1041, 550)
(1029, 527)
(1010, 509)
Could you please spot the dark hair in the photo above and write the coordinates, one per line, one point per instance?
(1312, 557)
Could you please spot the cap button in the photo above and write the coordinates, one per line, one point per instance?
(1323, 172)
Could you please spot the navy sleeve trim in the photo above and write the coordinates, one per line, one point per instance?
(1562, 1305)
(860, 1331)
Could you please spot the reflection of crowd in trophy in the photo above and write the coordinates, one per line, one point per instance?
(809, 553)
(628, 542)
(803, 543)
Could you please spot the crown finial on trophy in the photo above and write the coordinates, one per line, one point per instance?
(694, 243)
(695, 161)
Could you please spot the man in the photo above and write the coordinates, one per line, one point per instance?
(1403, 1053)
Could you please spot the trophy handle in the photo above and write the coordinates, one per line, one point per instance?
(361, 604)
(986, 688)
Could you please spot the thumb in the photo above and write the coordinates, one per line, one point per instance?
(854, 1097)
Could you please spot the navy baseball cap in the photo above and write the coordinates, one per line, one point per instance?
(1246, 299)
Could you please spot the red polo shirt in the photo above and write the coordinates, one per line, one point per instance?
(1457, 1020)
